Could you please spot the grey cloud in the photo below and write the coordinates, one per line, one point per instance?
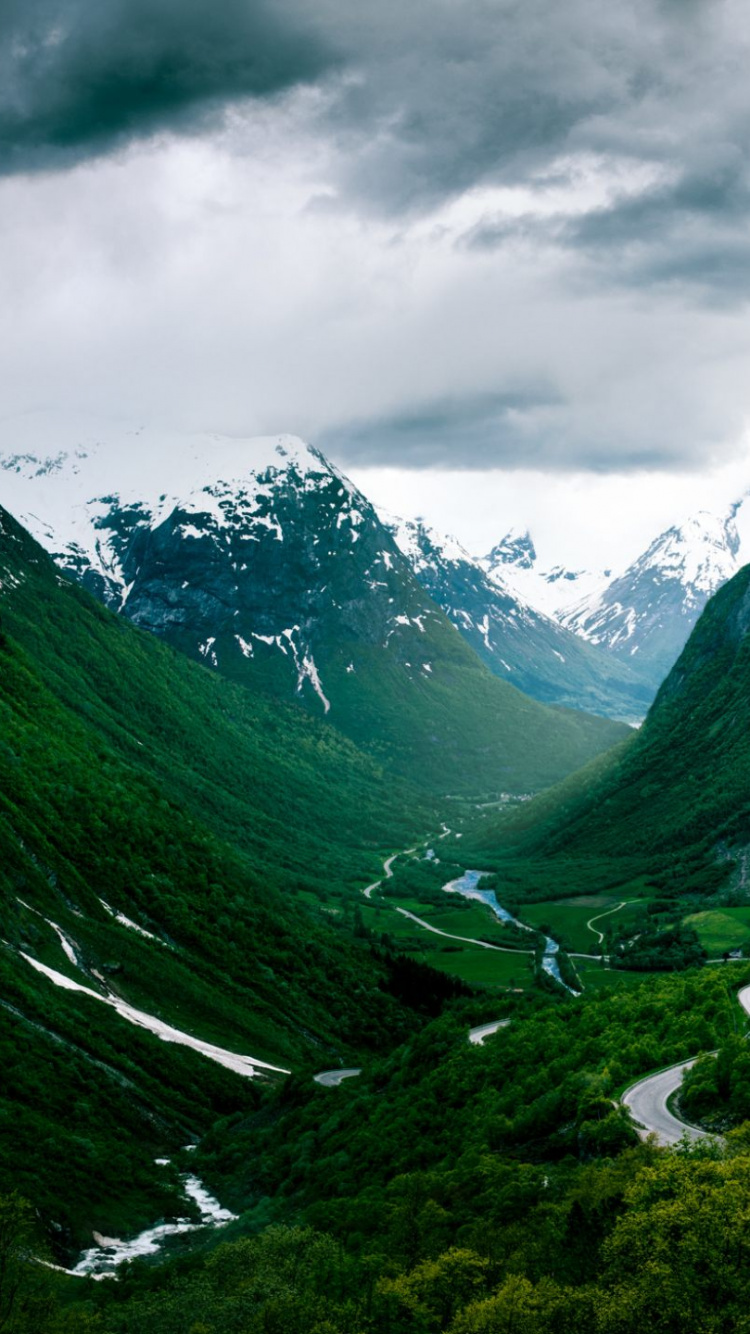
(690, 233)
(472, 430)
(477, 431)
(78, 77)
(424, 101)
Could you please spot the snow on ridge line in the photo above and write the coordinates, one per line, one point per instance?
(126, 921)
(248, 1066)
(61, 478)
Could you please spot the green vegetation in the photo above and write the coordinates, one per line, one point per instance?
(720, 930)
(452, 1188)
(715, 1092)
(130, 775)
(672, 802)
(460, 1189)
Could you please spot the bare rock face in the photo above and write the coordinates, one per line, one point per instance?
(516, 640)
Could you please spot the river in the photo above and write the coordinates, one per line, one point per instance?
(468, 887)
(103, 1260)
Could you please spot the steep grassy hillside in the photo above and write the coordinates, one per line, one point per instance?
(676, 797)
(133, 781)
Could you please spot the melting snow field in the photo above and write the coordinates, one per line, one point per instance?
(124, 921)
(242, 1065)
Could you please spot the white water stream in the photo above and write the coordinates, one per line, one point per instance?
(103, 1259)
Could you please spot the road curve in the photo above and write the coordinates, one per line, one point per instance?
(330, 1079)
(647, 1103)
(608, 913)
(482, 1031)
(647, 1099)
(387, 865)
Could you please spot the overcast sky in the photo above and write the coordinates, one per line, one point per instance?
(493, 256)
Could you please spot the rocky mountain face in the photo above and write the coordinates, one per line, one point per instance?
(641, 615)
(518, 642)
(647, 612)
(251, 549)
(514, 564)
(259, 558)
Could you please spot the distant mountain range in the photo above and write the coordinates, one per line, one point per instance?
(643, 614)
(262, 552)
(517, 639)
(261, 560)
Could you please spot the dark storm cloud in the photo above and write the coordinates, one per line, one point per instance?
(469, 431)
(437, 95)
(693, 232)
(332, 287)
(80, 76)
(455, 93)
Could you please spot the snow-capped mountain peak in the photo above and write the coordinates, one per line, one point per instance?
(513, 565)
(239, 549)
(650, 608)
(516, 548)
(517, 640)
(700, 553)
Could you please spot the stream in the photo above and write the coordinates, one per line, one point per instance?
(102, 1260)
(467, 887)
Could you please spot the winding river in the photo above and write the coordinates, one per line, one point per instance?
(467, 886)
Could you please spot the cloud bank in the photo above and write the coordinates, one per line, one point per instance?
(459, 234)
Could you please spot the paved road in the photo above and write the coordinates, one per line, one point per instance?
(647, 1103)
(332, 1078)
(387, 867)
(477, 1035)
(647, 1100)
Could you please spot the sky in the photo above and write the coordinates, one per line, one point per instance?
(492, 256)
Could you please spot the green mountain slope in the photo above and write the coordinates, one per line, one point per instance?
(678, 793)
(133, 778)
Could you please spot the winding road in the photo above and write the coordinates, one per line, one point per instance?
(647, 1099)
(647, 1103)
(387, 867)
(598, 918)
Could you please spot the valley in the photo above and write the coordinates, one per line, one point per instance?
(257, 1042)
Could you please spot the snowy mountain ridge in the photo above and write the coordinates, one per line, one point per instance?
(513, 564)
(646, 610)
(517, 641)
(192, 532)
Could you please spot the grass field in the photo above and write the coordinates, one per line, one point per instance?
(483, 968)
(722, 929)
(596, 977)
(567, 919)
